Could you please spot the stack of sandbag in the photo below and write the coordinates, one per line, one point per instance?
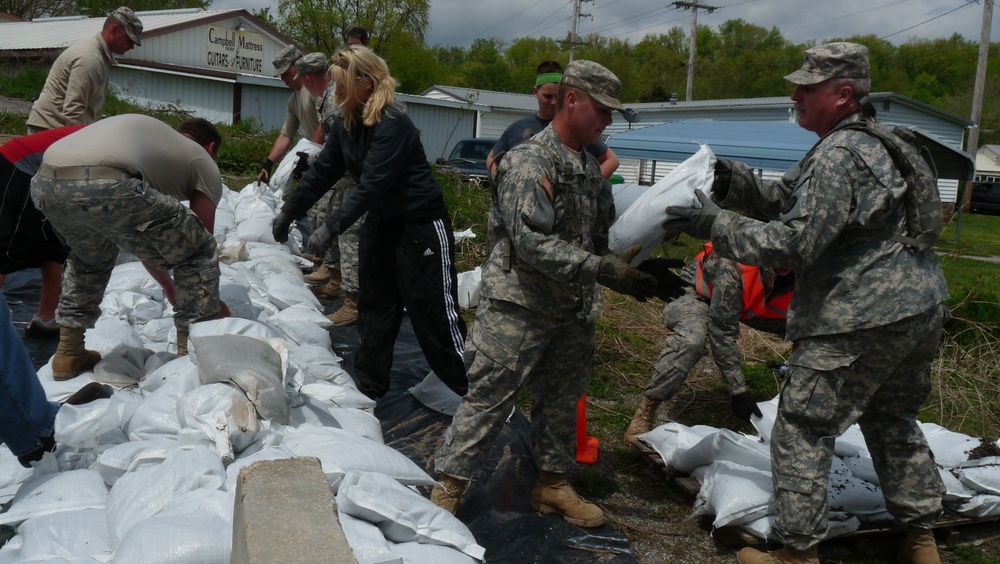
(734, 471)
(149, 474)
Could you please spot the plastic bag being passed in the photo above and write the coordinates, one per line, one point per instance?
(643, 221)
(250, 364)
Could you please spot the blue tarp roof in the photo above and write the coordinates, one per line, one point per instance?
(771, 145)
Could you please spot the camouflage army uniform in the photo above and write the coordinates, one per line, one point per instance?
(535, 322)
(865, 319)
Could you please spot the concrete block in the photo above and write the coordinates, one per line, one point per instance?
(285, 514)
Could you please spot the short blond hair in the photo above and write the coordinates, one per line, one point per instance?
(352, 64)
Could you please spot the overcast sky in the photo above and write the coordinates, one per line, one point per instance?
(459, 22)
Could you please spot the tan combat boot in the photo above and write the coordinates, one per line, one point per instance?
(347, 313)
(71, 358)
(329, 291)
(920, 547)
(642, 421)
(786, 555)
(319, 276)
(447, 492)
(554, 495)
(182, 343)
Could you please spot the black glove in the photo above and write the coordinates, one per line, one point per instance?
(265, 172)
(616, 272)
(669, 286)
(319, 240)
(723, 179)
(696, 222)
(280, 226)
(301, 165)
(744, 406)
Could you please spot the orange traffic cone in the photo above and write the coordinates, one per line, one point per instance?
(586, 446)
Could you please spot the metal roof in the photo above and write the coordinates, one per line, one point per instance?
(769, 145)
(489, 98)
(59, 33)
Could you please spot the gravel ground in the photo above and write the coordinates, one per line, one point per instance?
(14, 106)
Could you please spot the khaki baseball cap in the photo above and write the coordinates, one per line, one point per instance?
(312, 62)
(597, 81)
(832, 60)
(130, 22)
(285, 59)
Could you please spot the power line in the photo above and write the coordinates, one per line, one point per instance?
(968, 3)
(542, 22)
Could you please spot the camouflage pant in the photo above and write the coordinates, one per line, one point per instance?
(877, 378)
(511, 348)
(688, 318)
(98, 216)
(343, 253)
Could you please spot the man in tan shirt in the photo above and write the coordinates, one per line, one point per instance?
(78, 81)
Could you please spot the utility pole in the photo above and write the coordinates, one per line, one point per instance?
(693, 6)
(576, 17)
(972, 147)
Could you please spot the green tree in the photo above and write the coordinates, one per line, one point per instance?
(31, 9)
(98, 8)
(322, 25)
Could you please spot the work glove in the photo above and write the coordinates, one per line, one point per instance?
(616, 272)
(265, 172)
(319, 240)
(301, 165)
(669, 286)
(280, 226)
(723, 179)
(744, 406)
(696, 222)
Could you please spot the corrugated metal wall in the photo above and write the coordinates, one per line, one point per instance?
(265, 105)
(440, 127)
(209, 99)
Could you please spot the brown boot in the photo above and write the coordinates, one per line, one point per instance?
(71, 358)
(642, 421)
(319, 276)
(329, 291)
(920, 547)
(448, 492)
(786, 555)
(347, 313)
(554, 495)
(182, 343)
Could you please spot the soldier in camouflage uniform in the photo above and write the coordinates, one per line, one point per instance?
(120, 183)
(539, 298)
(867, 313)
(720, 294)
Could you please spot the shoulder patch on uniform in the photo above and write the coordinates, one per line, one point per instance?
(547, 185)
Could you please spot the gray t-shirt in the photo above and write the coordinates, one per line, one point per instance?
(168, 161)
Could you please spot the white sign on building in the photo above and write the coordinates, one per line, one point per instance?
(235, 50)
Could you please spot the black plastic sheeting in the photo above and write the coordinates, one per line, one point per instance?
(495, 507)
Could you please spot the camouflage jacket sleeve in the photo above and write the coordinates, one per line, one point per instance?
(726, 278)
(754, 195)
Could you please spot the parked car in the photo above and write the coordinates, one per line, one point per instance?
(985, 198)
(468, 159)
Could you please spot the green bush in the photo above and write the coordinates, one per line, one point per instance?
(24, 84)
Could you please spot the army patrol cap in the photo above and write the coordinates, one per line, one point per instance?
(285, 59)
(130, 23)
(597, 81)
(832, 60)
(312, 62)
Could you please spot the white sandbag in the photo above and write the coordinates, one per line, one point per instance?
(269, 453)
(244, 276)
(256, 191)
(764, 424)
(89, 425)
(642, 222)
(850, 494)
(281, 179)
(133, 277)
(249, 209)
(237, 299)
(178, 367)
(257, 251)
(851, 443)
(984, 505)
(12, 474)
(402, 514)
(468, 287)
(982, 475)
(251, 365)
(122, 366)
(366, 541)
(354, 420)
(115, 461)
(672, 438)
(193, 527)
(156, 331)
(69, 535)
(318, 364)
(434, 394)
(109, 333)
(955, 490)
(156, 414)
(132, 307)
(337, 394)
(341, 451)
(220, 414)
(950, 449)
(225, 221)
(724, 445)
(286, 290)
(416, 553)
(863, 467)
(256, 229)
(45, 494)
(265, 265)
(735, 494)
(626, 194)
(141, 493)
(305, 325)
(228, 326)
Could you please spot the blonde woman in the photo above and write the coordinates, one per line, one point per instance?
(407, 246)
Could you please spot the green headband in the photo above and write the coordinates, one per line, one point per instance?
(548, 78)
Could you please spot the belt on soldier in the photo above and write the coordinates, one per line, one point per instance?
(83, 172)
